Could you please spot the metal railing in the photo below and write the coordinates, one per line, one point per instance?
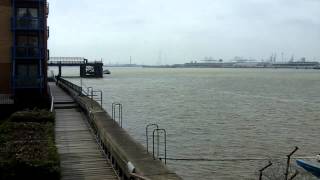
(147, 130)
(286, 173)
(158, 131)
(72, 86)
(114, 107)
(68, 59)
(122, 173)
(76, 62)
(158, 144)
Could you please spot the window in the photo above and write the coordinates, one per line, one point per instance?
(27, 46)
(27, 70)
(27, 13)
(27, 18)
(27, 75)
(31, 41)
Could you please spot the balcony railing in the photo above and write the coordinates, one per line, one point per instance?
(28, 82)
(6, 99)
(27, 23)
(26, 52)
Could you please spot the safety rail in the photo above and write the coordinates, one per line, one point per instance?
(286, 173)
(114, 106)
(98, 99)
(66, 62)
(158, 144)
(264, 168)
(147, 130)
(94, 95)
(111, 158)
(68, 59)
(72, 86)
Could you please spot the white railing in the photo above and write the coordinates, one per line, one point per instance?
(6, 99)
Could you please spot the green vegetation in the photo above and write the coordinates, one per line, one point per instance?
(27, 148)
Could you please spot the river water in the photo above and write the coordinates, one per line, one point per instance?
(223, 115)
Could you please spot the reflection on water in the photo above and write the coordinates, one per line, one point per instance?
(219, 113)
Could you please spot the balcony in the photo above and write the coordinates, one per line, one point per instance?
(25, 52)
(27, 23)
(28, 82)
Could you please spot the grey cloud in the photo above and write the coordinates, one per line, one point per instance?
(183, 29)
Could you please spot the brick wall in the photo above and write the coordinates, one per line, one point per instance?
(5, 45)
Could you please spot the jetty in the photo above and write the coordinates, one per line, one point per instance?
(92, 145)
(87, 68)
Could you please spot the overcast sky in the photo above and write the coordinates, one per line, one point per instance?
(178, 31)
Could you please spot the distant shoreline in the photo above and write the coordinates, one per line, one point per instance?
(259, 65)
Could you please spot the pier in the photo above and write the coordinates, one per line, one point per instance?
(93, 146)
(87, 68)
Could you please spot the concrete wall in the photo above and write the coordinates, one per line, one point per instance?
(5, 45)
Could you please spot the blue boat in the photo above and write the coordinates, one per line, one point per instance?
(313, 168)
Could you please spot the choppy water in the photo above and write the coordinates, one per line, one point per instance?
(220, 113)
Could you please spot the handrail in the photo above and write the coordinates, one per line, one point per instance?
(72, 86)
(65, 62)
(165, 143)
(114, 106)
(101, 96)
(147, 136)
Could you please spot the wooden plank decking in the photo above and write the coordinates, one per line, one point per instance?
(80, 155)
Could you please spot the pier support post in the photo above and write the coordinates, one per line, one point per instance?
(59, 69)
(83, 70)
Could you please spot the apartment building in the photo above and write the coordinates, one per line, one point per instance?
(23, 49)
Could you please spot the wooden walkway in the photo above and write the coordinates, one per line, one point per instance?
(81, 157)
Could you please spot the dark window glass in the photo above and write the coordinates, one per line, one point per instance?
(27, 18)
(27, 70)
(27, 12)
(31, 41)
